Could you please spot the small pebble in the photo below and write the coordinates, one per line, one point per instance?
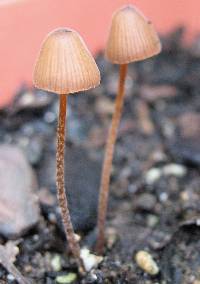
(77, 237)
(104, 106)
(163, 196)
(152, 93)
(174, 169)
(35, 238)
(90, 260)
(185, 195)
(111, 236)
(52, 218)
(49, 117)
(66, 279)
(10, 277)
(145, 261)
(158, 240)
(56, 263)
(92, 277)
(153, 175)
(146, 201)
(18, 179)
(28, 268)
(152, 220)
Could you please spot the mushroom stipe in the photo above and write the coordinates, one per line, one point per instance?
(69, 231)
(112, 136)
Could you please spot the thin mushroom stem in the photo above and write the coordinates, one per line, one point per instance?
(60, 181)
(107, 165)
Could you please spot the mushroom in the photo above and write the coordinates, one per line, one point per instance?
(132, 38)
(65, 66)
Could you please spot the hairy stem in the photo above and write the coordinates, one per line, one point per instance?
(60, 181)
(107, 165)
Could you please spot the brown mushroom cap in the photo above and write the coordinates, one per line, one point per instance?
(132, 37)
(64, 64)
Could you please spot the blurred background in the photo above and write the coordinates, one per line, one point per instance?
(24, 24)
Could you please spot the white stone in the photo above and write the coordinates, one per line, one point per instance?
(175, 170)
(145, 261)
(153, 175)
(90, 260)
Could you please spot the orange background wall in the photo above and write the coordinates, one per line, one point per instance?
(24, 24)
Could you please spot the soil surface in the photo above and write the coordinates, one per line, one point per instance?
(155, 188)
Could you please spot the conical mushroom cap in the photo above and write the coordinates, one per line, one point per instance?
(64, 64)
(132, 37)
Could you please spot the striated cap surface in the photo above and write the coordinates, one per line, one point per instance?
(64, 64)
(132, 37)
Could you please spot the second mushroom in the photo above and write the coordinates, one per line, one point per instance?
(132, 38)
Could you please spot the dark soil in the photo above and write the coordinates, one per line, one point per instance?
(159, 133)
